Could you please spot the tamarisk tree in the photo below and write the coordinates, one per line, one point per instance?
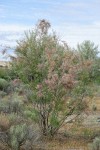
(50, 69)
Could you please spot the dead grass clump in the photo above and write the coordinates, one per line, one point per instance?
(4, 122)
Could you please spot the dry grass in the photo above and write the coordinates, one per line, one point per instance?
(4, 122)
(63, 144)
(95, 101)
(3, 147)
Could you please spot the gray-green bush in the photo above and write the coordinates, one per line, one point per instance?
(17, 135)
(14, 104)
(95, 145)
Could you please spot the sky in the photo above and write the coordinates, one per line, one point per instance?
(73, 20)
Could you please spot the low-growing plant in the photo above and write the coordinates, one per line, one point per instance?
(3, 73)
(4, 107)
(17, 135)
(95, 145)
(87, 133)
(94, 108)
(12, 104)
(32, 114)
(2, 94)
(15, 119)
(15, 106)
(3, 84)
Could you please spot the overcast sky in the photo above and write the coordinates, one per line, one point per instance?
(73, 20)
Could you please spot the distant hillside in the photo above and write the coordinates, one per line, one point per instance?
(4, 64)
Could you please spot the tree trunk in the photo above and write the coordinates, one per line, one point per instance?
(44, 123)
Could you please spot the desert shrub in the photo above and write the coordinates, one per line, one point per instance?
(4, 107)
(95, 145)
(90, 133)
(7, 120)
(20, 134)
(13, 104)
(12, 74)
(29, 95)
(3, 84)
(4, 73)
(31, 114)
(14, 85)
(94, 108)
(87, 133)
(26, 91)
(2, 94)
(15, 119)
(17, 135)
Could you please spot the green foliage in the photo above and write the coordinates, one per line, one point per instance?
(84, 76)
(95, 73)
(16, 106)
(2, 94)
(87, 50)
(12, 105)
(95, 145)
(54, 73)
(86, 133)
(4, 73)
(54, 120)
(12, 74)
(32, 114)
(29, 94)
(3, 84)
(17, 135)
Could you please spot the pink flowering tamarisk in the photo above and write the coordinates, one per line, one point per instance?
(51, 69)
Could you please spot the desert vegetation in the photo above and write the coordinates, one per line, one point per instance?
(50, 92)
